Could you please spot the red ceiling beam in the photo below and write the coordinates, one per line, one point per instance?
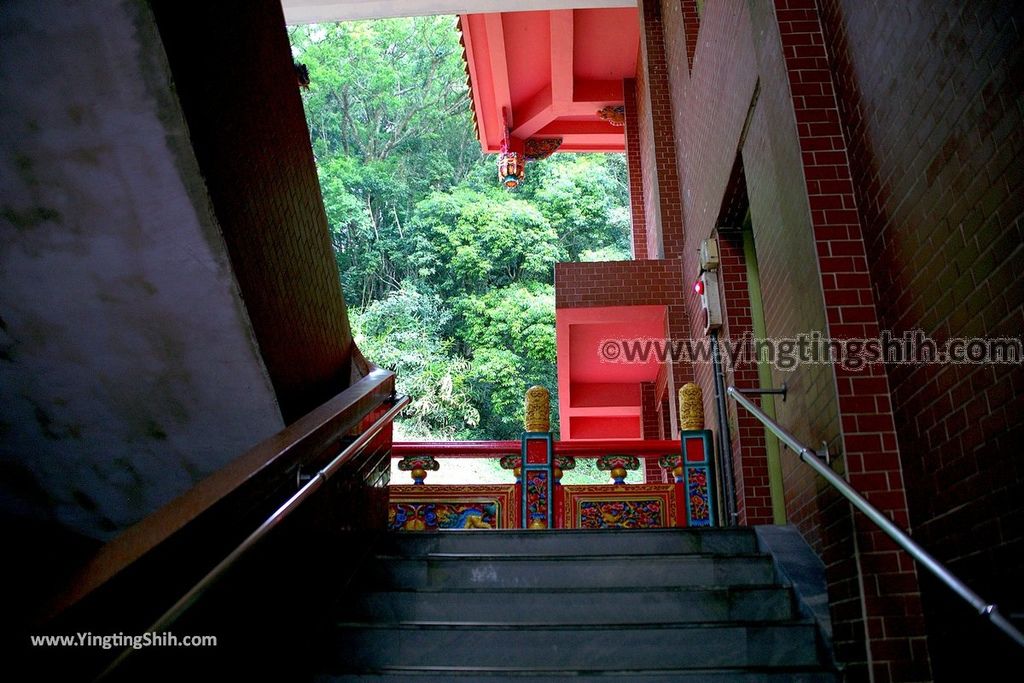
(534, 115)
(561, 22)
(499, 63)
(557, 127)
(598, 92)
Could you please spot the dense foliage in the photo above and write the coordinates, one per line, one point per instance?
(448, 277)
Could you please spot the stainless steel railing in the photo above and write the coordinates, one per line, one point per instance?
(289, 506)
(983, 608)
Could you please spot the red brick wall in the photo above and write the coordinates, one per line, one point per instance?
(248, 129)
(709, 122)
(617, 283)
(657, 139)
(717, 110)
(633, 163)
(711, 108)
(790, 286)
(648, 166)
(938, 174)
(680, 371)
(891, 601)
(750, 464)
(653, 474)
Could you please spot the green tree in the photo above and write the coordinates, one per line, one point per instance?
(403, 332)
(510, 333)
(469, 242)
(389, 122)
(583, 199)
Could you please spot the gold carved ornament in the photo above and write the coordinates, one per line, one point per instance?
(691, 407)
(537, 410)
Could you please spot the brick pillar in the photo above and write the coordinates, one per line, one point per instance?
(636, 184)
(661, 396)
(666, 419)
(691, 25)
(890, 598)
(653, 474)
(679, 372)
(649, 411)
(651, 429)
(750, 461)
(659, 139)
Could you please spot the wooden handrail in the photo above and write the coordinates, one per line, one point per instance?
(278, 517)
(259, 472)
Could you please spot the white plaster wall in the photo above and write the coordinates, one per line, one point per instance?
(128, 370)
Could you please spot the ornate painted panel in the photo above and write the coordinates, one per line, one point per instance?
(537, 496)
(435, 508)
(697, 452)
(638, 506)
(698, 496)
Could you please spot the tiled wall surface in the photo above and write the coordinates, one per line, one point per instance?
(248, 129)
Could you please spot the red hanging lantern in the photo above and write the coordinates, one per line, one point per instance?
(511, 160)
(511, 169)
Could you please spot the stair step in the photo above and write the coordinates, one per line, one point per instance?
(586, 648)
(608, 571)
(586, 606)
(574, 542)
(753, 675)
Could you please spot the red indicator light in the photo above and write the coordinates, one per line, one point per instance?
(698, 287)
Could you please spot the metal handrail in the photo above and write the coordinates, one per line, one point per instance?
(983, 608)
(289, 506)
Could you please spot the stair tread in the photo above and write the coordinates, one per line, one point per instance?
(565, 558)
(591, 542)
(532, 533)
(751, 587)
(465, 670)
(572, 626)
(576, 647)
(539, 605)
(742, 675)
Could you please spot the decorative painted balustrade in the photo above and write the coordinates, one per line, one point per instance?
(538, 500)
(686, 501)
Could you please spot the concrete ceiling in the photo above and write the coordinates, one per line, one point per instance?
(314, 11)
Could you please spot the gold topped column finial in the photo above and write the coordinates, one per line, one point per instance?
(538, 410)
(691, 407)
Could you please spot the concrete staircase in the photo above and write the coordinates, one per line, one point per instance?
(658, 605)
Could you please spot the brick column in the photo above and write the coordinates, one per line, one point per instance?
(651, 430)
(680, 372)
(691, 24)
(662, 388)
(890, 599)
(657, 139)
(750, 461)
(649, 411)
(636, 183)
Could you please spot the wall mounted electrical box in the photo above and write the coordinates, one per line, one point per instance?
(709, 254)
(710, 302)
